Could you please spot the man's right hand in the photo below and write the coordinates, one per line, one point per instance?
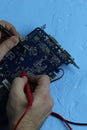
(17, 103)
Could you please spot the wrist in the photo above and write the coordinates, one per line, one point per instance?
(26, 123)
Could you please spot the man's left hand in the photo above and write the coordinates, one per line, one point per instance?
(8, 43)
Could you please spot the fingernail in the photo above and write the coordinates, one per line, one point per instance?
(15, 39)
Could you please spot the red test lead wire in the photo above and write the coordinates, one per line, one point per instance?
(28, 90)
(30, 100)
(62, 119)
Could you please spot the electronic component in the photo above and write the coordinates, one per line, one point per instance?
(38, 53)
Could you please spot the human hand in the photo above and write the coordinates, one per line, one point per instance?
(7, 43)
(17, 102)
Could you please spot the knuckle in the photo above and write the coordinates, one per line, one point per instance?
(17, 79)
(13, 27)
(45, 77)
(1, 21)
(50, 103)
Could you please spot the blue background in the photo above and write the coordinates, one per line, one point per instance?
(66, 20)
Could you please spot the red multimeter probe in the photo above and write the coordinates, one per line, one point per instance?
(27, 90)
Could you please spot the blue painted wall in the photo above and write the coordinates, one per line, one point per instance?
(66, 20)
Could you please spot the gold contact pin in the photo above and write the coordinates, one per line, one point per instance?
(75, 65)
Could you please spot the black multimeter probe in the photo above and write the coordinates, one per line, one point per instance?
(3, 29)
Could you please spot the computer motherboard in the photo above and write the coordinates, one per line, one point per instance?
(38, 53)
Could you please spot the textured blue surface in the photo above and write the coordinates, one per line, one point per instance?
(67, 21)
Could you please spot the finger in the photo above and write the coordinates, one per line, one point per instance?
(39, 79)
(10, 27)
(7, 45)
(19, 83)
(17, 88)
(13, 31)
(41, 82)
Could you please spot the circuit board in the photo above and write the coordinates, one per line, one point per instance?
(38, 53)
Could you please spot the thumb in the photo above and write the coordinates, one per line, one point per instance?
(7, 45)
